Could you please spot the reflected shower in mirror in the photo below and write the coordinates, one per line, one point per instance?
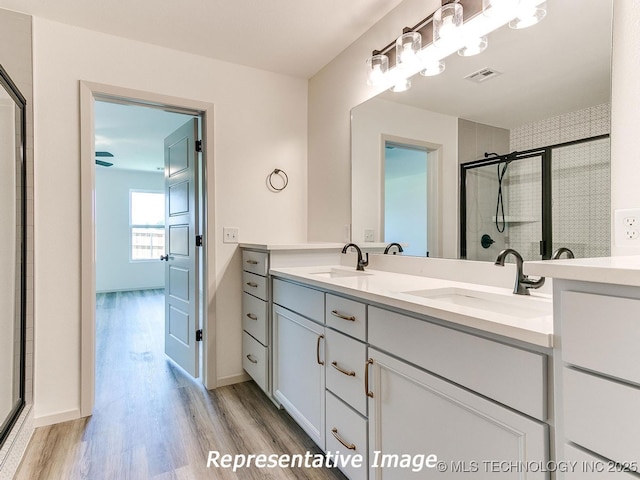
(542, 86)
(12, 253)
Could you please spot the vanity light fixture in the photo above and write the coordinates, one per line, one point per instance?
(529, 13)
(474, 46)
(408, 46)
(377, 67)
(447, 21)
(457, 26)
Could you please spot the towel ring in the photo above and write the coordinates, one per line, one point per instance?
(282, 174)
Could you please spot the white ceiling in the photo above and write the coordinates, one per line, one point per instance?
(294, 37)
(561, 65)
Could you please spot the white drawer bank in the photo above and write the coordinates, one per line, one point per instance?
(366, 378)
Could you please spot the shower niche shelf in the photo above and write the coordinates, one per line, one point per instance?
(515, 219)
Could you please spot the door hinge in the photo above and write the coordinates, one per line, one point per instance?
(199, 335)
(198, 240)
(198, 145)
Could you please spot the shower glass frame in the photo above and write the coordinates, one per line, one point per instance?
(546, 157)
(12, 90)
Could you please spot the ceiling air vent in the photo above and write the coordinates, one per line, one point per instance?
(482, 75)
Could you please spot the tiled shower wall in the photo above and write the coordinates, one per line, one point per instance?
(580, 188)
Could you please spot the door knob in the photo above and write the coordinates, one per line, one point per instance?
(164, 257)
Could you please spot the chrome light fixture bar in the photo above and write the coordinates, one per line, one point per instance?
(460, 26)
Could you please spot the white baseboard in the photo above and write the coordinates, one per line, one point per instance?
(56, 418)
(232, 379)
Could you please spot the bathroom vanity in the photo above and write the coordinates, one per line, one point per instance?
(596, 364)
(378, 364)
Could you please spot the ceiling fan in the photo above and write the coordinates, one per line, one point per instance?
(103, 163)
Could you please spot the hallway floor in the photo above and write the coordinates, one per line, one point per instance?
(152, 421)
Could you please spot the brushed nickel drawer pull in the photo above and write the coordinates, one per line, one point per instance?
(253, 262)
(350, 446)
(252, 284)
(320, 362)
(335, 313)
(342, 370)
(366, 378)
(252, 316)
(251, 359)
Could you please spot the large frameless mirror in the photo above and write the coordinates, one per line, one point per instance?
(544, 86)
(12, 253)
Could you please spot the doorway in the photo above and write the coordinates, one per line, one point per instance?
(139, 231)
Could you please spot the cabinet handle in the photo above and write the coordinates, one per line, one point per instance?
(252, 316)
(366, 378)
(320, 362)
(342, 370)
(350, 446)
(335, 313)
(253, 262)
(251, 359)
(252, 284)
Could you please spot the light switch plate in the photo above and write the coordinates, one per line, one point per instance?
(230, 234)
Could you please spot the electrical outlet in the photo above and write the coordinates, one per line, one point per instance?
(627, 227)
(230, 234)
(369, 234)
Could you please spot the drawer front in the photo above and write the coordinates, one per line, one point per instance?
(351, 428)
(254, 317)
(255, 262)
(584, 466)
(509, 375)
(255, 285)
(602, 333)
(254, 360)
(345, 369)
(602, 415)
(305, 301)
(348, 316)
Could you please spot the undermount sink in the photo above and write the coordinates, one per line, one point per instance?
(335, 273)
(512, 305)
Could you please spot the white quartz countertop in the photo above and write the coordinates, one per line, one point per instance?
(623, 270)
(490, 309)
(292, 246)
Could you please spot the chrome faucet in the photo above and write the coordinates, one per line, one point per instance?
(559, 251)
(523, 282)
(391, 245)
(361, 262)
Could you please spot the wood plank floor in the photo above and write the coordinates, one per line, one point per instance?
(152, 421)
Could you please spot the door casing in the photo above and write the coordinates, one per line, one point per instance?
(89, 92)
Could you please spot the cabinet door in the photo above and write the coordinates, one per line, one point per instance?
(413, 412)
(298, 382)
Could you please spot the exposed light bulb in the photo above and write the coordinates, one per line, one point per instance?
(402, 85)
(378, 65)
(432, 67)
(474, 47)
(447, 21)
(407, 47)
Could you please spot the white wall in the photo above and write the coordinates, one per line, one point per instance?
(260, 123)
(625, 113)
(378, 117)
(114, 270)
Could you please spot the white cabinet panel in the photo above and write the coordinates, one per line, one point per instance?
(581, 465)
(255, 262)
(346, 315)
(602, 415)
(299, 299)
(507, 374)
(346, 358)
(602, 333)
(255, 285)
(254, 360)
(413, 412)
(347, 434)
(254, 317)
(299, 382)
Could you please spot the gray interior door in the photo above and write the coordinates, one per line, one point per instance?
(181, 269)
